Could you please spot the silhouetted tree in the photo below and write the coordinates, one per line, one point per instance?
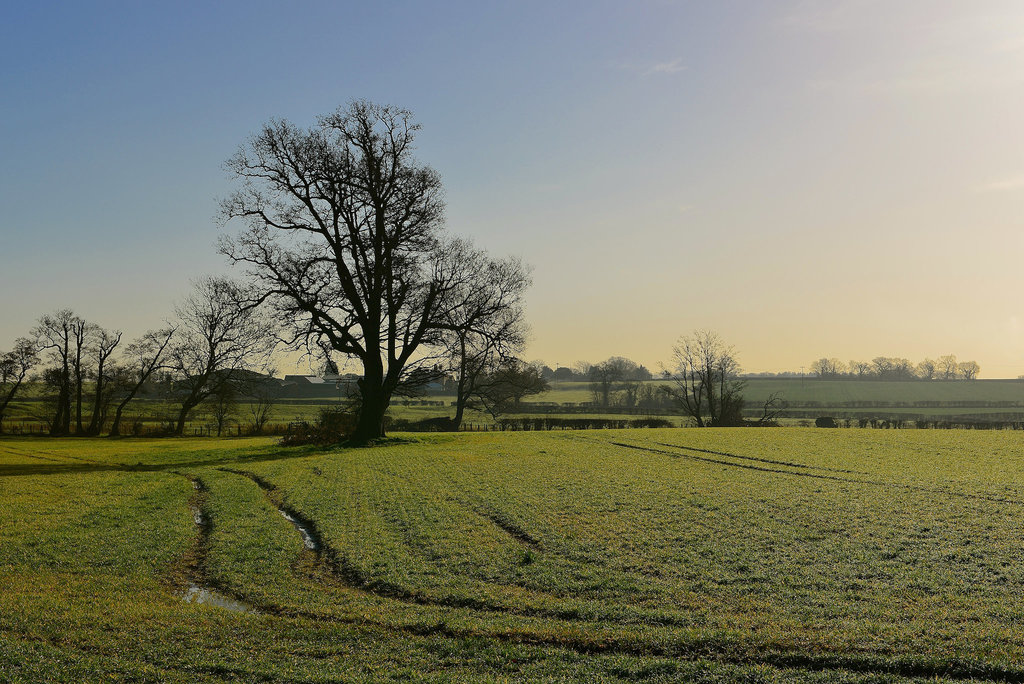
(482, 317)
(219, 338)
(948, 367)
(859, 369)
(57, 334)
(926, 369)
(828, 368)
(505, 387)
(705, 383)
(968, 370)
(345, 242)
(222, 404)
(15, 366)
(603, 377)
(104, 344)
(261, 407)
(145, 356)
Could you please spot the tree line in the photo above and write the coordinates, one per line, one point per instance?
(893, 368)
(212, 352)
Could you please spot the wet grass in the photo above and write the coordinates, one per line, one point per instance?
(644, 555)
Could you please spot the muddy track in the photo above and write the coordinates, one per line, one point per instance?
(198, 588)
(603, 643)
(508, 527)
(821, 476)
(352, 578)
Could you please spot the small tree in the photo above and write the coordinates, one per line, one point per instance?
(15, 366)
(603, 377)
(262, 399)
(219, 338)
(222, 404)
(145, 356)
(948, 367)
(104, 344)
(968, 370)
(705, 383)
(483, 315)
(57, 334)
(506, 386)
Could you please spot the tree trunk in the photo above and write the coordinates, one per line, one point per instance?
(78, 392)
(179, 427)
(375, 403)
(115, 427)
(462, 393)
(7, 402)
(95, 422)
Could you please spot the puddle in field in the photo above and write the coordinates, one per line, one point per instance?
(209, 597)
(307, 534)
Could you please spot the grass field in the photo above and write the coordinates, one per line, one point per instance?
(644, 555)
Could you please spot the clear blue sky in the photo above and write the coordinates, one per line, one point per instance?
(838, 178)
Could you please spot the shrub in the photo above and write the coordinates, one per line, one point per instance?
(331, 426)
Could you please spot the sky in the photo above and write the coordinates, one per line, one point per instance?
(842, 178)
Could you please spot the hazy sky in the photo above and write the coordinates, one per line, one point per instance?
(837, 178)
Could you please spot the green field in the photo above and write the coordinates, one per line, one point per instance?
(643, 555)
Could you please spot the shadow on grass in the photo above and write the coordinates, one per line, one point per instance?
(77, 468)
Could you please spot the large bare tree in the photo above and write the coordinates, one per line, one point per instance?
(344, 239)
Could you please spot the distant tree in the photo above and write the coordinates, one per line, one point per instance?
(58, 334)
(506, 386)
(581, 369)
(105, 342)
(15, 366)
(828, 368)
(705, 382)
(144, 357)
(261, 407)
(926, 369)
(882, 367)
(222, 404)
(968, 370)
(482, 318)
(563, 374)
(603, 377)
(948, 367)
(859, 369)
(772, 407)
(219, 338)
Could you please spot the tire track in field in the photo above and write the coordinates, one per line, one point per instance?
(198, 588)
(698, 650)
(818, 476)
(603, 643)
(763, 460)
(353, 578)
